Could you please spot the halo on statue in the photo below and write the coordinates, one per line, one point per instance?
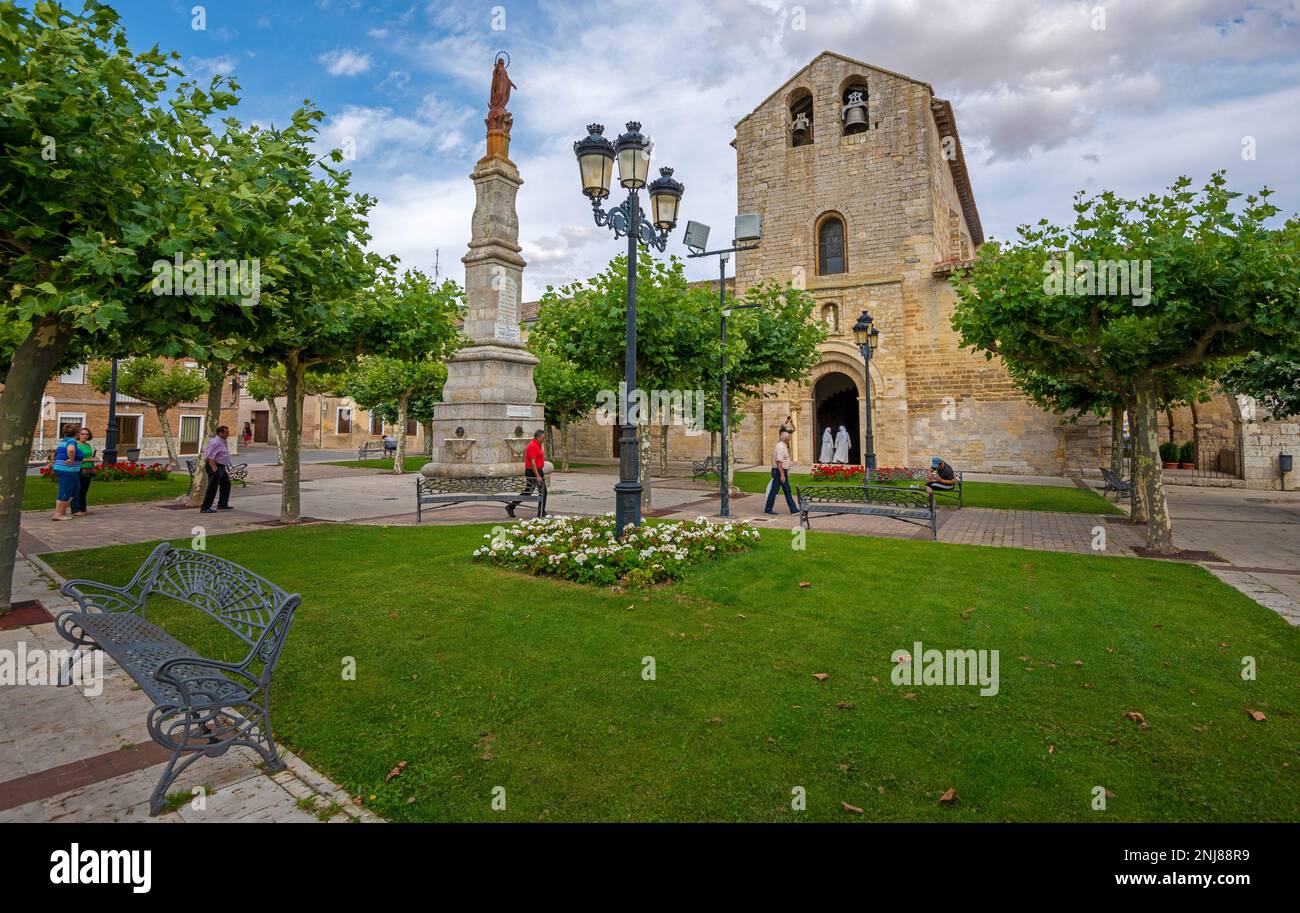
(499, 55)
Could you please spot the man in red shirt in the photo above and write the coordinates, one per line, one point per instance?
(534, 469)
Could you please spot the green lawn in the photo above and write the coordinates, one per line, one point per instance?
(410, 464)
(39, 493)
(1000, 495)
(479, 677)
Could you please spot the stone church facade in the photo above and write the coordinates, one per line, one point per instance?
(870, 208)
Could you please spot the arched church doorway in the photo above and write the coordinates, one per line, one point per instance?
(835, 401)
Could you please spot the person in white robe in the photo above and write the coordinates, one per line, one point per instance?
(828, 446)
(842, 445)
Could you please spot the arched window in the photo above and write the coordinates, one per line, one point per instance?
(854, 113)
(801, 118)
(830, 246)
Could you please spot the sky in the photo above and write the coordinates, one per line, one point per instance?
(1051, 97)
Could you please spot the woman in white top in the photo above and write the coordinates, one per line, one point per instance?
(842, 445)
(828, 446)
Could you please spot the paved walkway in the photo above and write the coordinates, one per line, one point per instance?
(84, 758)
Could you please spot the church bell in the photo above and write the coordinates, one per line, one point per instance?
(855, 113)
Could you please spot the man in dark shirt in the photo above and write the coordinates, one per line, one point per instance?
(941, 477)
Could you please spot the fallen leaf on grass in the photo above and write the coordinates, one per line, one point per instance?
(1112, 741)
(716, 721)
(821, 676)
(739, 615)
(410, 800)
(966, 613)
(1137, 718)
(401, 766)
(1079, 663)
(949, 797)
(844, 705)
(804, 584)
(1255, 715)
(910, 695)
(850, 808)
(1051, 749)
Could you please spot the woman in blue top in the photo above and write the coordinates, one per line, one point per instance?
(67, 468)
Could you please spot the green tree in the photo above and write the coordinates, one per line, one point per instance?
(1273, 380)
(266, 384)
(163, 387)
(1223, 284)
(569, 393)
(386, 386)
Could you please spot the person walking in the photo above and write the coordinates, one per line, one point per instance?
(67, 470)
(248, 433)
(534, 470)
(842, 445)
(216, 463)
(86, 471)
(780, 475)
(828, 446)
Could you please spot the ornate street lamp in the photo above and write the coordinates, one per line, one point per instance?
(596, 156)
(868, 338)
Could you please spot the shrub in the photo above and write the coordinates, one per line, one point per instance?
(1187, 453)
(1169, 452)
(119, 472)
(584, 549)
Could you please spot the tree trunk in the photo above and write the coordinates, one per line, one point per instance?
(168, 439)
(1117, 440)
(399, 458)
(216, 385)
(20, 408)
(290, 496)
(279, 434)
(1137, 497)
(663, 449)
(713, 443)
(1169, 417)
(1196, 435)
(564, 444)
(1160, 531)
(428, 438)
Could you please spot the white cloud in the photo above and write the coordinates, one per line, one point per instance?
(205, 68)
(345, 62)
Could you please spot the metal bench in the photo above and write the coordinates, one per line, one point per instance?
(202, 707)
(238, 472)
(907, 504)
(923, 475)
(437, 493)
(379, 447)
(702, 469)
(40, 456)
(1123, 488)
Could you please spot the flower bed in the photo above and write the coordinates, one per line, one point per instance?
(120, 472)
(838, 472)
(584, 549)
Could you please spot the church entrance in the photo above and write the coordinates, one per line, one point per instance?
(835, 399)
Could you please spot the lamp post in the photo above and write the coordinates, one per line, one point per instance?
(868, 337)
(110, 433)
(596, 156)
(697, 239)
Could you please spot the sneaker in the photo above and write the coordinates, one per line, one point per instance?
(770, 513)
(206, 510)
(510, 509)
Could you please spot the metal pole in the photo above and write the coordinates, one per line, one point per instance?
(726, 423)
(110, 433)
(627, 493)
(871, 442)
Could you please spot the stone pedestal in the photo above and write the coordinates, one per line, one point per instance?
(489, 410)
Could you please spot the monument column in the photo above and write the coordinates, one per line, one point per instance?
(489, 409)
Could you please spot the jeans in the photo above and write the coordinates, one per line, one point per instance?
(216, 480)
(69, 484)
(784, 485)
(79, 501)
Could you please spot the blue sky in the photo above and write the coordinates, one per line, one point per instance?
(1046, 102)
